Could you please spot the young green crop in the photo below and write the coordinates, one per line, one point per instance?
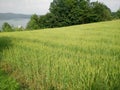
(82, 57)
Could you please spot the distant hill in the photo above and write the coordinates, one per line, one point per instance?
(7, 16)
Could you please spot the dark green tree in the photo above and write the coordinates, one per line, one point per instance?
(6, 27)
(46, 21)
(100, 12)
(33, 23)
(70, 12)
(118, 13)
(49, 21)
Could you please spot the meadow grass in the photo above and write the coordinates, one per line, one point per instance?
(81, 57)
(7, 82)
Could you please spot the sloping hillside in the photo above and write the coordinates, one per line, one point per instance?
(82, 57)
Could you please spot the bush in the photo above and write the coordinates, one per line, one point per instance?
(6, 27)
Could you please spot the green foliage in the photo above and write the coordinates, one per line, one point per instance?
(51, 21)
(6, 27)
(7, 82)
(118, 13)
(71, 12)
(101, 12)
(82, 57)
(47, 21)
(33, 23)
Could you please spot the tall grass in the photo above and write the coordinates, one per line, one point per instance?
(82, 57)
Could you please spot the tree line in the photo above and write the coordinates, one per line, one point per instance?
(6, 27)
(72, 12)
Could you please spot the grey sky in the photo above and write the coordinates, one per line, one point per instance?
(114, 5)
(25, 6)
(41, 6)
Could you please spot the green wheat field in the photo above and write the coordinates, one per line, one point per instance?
(80, 57)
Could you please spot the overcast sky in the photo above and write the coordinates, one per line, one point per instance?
(41, 6)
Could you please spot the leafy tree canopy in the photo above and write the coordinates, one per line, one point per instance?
(70, 12)
(33, 23)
